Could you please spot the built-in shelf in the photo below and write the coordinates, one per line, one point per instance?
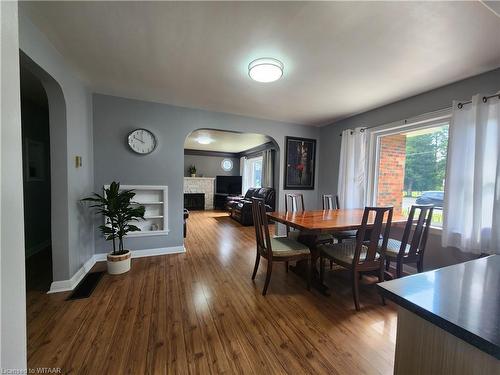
(154, 199)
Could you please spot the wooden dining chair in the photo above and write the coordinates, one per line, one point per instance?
(411, 248)
(361, 255)
(328, 202)
(331, 202)
(275, 249)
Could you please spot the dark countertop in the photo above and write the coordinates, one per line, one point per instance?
(463, 299)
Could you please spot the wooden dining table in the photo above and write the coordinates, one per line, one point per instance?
(313, 223)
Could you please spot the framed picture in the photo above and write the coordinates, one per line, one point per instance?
(300, 162)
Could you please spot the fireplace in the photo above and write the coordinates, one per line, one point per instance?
(194, 201)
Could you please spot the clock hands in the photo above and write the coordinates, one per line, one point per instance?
(140, 140)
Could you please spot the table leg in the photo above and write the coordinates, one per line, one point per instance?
(301, 267)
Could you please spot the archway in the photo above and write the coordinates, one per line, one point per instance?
(58, 167)
(231, 162)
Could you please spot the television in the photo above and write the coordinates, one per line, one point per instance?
(228, 185)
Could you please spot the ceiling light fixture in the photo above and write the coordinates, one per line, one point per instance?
(265, 70)
(204, 140)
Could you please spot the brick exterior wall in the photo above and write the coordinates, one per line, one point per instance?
(391, 172)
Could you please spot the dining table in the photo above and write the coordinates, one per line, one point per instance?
(311, 224)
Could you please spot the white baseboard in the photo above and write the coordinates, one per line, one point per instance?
(67, 285)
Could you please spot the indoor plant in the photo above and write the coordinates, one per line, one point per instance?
(192, 170)
(119, 211)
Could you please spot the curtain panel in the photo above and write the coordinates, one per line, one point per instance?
(352, 169)
(472, 191)
(267, 168)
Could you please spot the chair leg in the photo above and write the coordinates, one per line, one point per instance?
(380, 279)
(355, 289)
(399, 269)
(286, 266)
(387, 264)
(321, 268)
(256, 267)
(309, 266)
(331, 264)
(268, 276)
(420, 266)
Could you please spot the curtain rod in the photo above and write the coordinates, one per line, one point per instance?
(485, 99)
(360, 130)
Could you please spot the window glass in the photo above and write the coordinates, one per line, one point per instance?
(412, 170)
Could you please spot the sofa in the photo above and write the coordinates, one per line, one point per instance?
(240, 208)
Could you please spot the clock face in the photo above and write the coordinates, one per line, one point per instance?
(142, 141)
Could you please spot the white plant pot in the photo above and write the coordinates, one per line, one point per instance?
(118, 264)
(193, 174)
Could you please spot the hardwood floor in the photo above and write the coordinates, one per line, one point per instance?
(200, 313)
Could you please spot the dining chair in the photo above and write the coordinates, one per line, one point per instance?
(328, 204)
(411, 248)
(275, 249)
(292, 201)
(361, 255)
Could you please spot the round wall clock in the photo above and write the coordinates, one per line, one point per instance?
(142, 141)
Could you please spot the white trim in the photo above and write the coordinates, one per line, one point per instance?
(67, 285)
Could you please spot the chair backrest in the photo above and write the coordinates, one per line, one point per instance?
(292, 203)
(330, 202)
(262, 237)
(419, 233)
(371, 244)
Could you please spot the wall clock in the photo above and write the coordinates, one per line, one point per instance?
(142, 141)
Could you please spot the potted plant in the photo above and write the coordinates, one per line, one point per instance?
(192, 171)
(119, 211)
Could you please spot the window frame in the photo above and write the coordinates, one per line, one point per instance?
(250, 162)
(375, 134)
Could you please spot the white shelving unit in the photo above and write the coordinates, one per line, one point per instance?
(154, 199)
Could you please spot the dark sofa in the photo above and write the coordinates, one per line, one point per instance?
(241, 207)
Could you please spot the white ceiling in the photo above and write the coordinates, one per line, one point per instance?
(340, 58)
(225, 141)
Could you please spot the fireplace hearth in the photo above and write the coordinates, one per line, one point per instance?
(194, 201)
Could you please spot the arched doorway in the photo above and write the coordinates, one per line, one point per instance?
(56, 173)
(36, 182)
(220, 164)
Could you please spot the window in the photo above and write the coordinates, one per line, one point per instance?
(410, 167)
(253, 172)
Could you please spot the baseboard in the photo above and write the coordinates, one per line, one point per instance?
(67, 285)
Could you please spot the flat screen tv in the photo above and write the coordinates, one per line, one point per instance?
(228, 185)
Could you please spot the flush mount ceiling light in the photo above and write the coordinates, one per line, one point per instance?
(204, 140)
(265, 70)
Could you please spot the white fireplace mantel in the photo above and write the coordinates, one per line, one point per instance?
(204, 185)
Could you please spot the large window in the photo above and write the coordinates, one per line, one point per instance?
(253, 172)
(410, 167)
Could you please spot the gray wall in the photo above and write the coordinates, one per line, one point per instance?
(115, 117)
(12, 279)
(70, 134)
(210, 166)
(434, 100)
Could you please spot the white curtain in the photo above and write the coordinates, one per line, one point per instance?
(243, 174)
(352, 169)
(267, 168)
(472, 192)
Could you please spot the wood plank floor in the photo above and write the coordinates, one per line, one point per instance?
(200, 313)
